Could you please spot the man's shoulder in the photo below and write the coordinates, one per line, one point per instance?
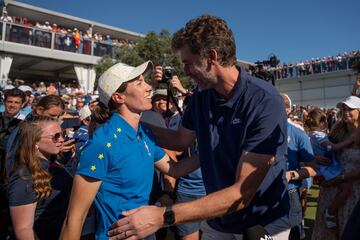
(258, 86)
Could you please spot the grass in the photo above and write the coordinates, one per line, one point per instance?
(310, 212)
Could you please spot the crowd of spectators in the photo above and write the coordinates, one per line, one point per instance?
(72, 39)
(80, 113)
(342, 61)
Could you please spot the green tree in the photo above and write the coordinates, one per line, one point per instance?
(103, 64)
(154, 47)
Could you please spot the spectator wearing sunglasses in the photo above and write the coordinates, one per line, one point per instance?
(51, 106)
(38, 191)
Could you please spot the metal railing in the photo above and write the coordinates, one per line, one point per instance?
(33, 36)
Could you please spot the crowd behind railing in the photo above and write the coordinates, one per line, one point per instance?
(46, 35)
(342, 61)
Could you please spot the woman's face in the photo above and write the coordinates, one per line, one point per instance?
(349, 115)
(53, 112)
(52, 140)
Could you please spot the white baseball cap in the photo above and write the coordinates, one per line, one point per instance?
(116, 75)
(25, 88)
(352, 102)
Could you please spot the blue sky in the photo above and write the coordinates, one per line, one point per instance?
(292, 30)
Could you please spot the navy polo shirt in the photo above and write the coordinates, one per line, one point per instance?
(252, 120)
(123, 160)
(299, 150)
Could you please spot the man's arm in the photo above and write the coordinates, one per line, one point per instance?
(307, 171)
(83, 192)
(251, 171)
(23, 221)
(178, 140)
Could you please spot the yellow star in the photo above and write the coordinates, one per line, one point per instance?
(108, 145)
(93, 168)
(115, 136)
(119, 129)
(101, 156)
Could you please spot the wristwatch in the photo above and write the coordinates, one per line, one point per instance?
(292, 175)
(169, 216)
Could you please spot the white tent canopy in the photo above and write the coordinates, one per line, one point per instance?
(5, 64)
(86, 76)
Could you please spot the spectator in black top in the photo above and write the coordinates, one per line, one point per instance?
(9, 120)
(38, 191)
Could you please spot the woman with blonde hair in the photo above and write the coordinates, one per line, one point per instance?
(349, 159)
(38, 189)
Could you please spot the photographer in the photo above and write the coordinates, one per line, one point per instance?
(191, 186)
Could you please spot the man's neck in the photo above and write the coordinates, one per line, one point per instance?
(8, 115)
(228, 77)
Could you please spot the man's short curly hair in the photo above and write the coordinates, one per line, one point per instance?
(205, 33)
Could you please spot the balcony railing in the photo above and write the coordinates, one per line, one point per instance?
(33, 36)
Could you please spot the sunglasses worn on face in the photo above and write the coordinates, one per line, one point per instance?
(55, 137)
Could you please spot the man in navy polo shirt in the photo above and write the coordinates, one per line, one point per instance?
(299, 153)
(116, 166)
(240, 124)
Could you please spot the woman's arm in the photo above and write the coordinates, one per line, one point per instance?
(346, 177)
(178, 169)
(83, 192)
(23, 221)
(339, 146)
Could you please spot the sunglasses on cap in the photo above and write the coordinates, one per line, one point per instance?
(55, 137)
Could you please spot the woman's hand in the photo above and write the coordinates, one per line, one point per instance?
(322, 160)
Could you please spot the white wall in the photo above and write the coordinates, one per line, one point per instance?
(322, 90)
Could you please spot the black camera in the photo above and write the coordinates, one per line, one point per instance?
(168, 73)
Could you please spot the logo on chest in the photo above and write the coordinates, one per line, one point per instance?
(147, 149)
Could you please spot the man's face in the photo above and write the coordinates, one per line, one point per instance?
(198, 69)
(79, 105)
(138, 95)
(13, 105)
(159, 104)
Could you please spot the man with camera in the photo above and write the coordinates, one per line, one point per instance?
(240, 124)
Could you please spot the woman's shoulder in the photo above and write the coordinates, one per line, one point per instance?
(20, 188)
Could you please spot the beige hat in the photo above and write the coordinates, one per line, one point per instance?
(84, 112)
(112, 78)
